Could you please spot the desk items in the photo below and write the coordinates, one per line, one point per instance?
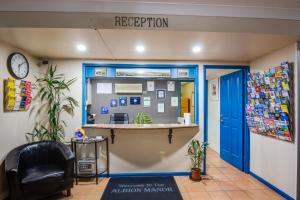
(17, 95)
(269, 110)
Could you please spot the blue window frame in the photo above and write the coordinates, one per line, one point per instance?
(88, 72)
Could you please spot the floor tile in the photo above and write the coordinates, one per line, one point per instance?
(200, 196)
(218, 195)
(238, 195)
(222, 182)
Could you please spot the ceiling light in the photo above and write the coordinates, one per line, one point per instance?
(140, 48)
(81, 47)
(196, 49)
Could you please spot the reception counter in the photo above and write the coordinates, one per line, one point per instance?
(149, 148)
(113, 127)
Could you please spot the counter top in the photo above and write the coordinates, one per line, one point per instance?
(139, 126)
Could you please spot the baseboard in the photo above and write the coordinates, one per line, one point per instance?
(277, 190)
(146, 174)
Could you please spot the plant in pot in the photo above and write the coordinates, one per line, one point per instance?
(52, 94)
(142, 118)
(196, 154)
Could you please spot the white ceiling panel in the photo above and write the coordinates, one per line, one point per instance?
(159, 45)
(56, 43)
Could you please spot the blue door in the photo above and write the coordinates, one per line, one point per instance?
(231, 118)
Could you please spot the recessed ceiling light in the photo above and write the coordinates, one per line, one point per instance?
(81, 47)
(196, 49)
(140, 48)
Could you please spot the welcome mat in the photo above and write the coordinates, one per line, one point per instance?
(142, 188)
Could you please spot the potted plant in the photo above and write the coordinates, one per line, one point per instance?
(53, 102)
(196, 153)
(142, 118)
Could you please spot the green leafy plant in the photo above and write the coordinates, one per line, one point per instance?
(53, 102)
(142, 118)
(196, 152)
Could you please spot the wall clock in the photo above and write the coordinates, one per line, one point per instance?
(18, 65)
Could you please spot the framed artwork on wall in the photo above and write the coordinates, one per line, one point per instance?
(214, 89)
(161, 94)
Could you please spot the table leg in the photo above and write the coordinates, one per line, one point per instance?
(107, 158)
(75, 151)
(96, 159)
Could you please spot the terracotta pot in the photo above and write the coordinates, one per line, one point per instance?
(196, 174)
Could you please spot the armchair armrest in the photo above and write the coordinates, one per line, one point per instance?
(12, 171)
(68, 159)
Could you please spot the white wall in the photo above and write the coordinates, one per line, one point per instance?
(14, 125)
(213, 117)
(271, 159)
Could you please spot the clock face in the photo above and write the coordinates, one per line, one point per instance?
(18, 65)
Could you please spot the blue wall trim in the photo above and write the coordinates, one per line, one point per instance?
(280, 192)
(146, 174)
(246, 69)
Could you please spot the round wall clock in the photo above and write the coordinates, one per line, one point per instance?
(18, 65)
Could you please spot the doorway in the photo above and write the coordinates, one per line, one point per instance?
(224, 117)
(187, 99)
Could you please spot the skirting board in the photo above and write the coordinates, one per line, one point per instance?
(280, 192)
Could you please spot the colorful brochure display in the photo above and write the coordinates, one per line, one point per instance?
(269, 108)
(17, 95)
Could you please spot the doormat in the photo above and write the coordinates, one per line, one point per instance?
(142, 188)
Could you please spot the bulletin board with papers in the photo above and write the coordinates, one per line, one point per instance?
(17, 95)
(270, 106)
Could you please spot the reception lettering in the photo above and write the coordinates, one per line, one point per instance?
(141, 22)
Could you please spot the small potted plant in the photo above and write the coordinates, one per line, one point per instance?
(196, 154)
(142, 118)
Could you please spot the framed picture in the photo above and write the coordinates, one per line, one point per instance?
(214, 89)
(182, 73)
(100, 71)
(135, 100)
(104, 110)
(161, 94)
(113, 103)
(123, 101)
(161, 107)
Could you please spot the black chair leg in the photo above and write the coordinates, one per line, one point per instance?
(68, 192)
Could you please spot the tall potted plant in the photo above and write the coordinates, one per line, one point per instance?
(196, 153)
(53, 102)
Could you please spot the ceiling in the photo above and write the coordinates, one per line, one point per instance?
(159, 45)
(264, 3)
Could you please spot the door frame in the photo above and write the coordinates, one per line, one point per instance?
(246, 133)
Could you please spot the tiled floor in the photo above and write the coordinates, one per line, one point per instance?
(223, 182)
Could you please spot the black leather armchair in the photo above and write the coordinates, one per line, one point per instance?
(39, 169)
